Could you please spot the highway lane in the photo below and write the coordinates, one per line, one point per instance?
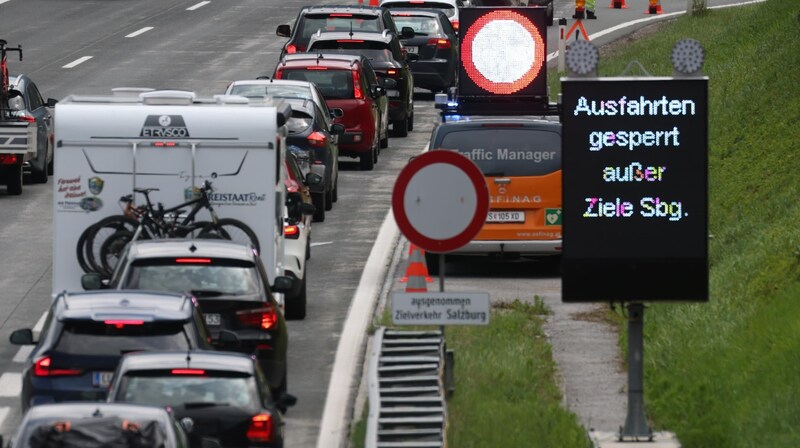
(201, 49)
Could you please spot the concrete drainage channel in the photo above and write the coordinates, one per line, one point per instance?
(407, 407)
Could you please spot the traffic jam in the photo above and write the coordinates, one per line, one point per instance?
(182, 223)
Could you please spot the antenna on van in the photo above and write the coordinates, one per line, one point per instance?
(351, 29)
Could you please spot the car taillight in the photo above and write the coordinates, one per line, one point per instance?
(42, 368)
(357, 93)
(291, 49)
(8, 159)
(441, 44)
(260, 429)
(26, 117)
(264, 318)
(392, 72)
(291, 232)
(455, 24)
(278, 74)
(317, 139)
(120, 323)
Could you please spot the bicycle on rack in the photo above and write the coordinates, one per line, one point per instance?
(101, 244)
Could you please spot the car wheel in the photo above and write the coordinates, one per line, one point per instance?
(329, 199)
(318, 199)
(400, 128)
(308, 248)
(14, 180)
(296, 306)
(367, 160)
(385, 141)
(411, 122)
(335, 192)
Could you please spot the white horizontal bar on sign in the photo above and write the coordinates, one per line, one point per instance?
(77, 62)
(10, 384)
(141, 31)
(197, 6)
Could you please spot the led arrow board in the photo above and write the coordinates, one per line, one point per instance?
(503, 53)
(635, 189)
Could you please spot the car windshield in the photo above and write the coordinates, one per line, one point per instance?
(188, 388)
(449, 10)
(115, 337)
(275, 90)
(422, 25)
(311, 23)
(334, 84)
(201, 276)
(507, 151)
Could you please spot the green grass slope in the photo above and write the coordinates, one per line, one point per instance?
(726, 373)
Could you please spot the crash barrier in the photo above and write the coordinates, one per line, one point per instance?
(407, 404)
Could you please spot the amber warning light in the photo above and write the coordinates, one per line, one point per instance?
(503, 52)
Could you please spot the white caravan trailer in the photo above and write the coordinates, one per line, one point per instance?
(173, 141)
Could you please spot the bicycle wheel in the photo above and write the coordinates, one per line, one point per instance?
(112, 248)
(80, 250)
(231, 229)
(101, 231)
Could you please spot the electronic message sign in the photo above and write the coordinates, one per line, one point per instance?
(635, 189)
(503, 56)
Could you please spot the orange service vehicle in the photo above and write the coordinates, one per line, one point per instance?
(521, 160)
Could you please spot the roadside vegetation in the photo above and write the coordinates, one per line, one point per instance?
(725, 373)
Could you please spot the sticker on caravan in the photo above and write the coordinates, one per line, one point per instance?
(159, 126)
(96, 185)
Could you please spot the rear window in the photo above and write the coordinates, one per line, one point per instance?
(422, 25)
(88, 337)
(189, 389)
(204, 277)
(337, 22)
(507, 151)
(449, 10)
(336, 84)
(298, 122)
(282, 91)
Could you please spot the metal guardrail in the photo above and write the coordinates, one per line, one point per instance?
(407, 408)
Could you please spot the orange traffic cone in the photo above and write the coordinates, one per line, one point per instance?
(417, 271)
(655, 7)
(618, 4)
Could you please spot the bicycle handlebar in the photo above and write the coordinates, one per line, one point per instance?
(5, 49)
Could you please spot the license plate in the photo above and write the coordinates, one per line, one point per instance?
(101, 379)
(412, 50)
(393, 93)
(212, 319)
(505, 217)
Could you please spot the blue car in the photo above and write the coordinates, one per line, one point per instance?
(86, 334)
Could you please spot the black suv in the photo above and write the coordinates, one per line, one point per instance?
(334, 18)
(85, 334)
(390, 62)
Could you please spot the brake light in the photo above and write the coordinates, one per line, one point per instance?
(348, 41)
(264, 318)
(42, 368)
(316, 67)
(317, 139)
(188, 372)
(8, 159)
(392, 72)
(357, 93)
(417, 2)
(164, 144)
(119, 323)
(291, 49)
(455, 24)
(28, 118)
(442, 44)
(338, 14)
(401, 14)
(193, 260)
(260, 429)
(291, 232)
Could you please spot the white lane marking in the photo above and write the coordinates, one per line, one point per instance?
(77, 62)
(199, 5)
(141, 31)
(324, 243)
(5, 409)
(594, 36)
(23, 353)
(37, 329)
(10, 384)
(346, 370)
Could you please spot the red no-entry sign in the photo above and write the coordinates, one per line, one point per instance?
(440, 201)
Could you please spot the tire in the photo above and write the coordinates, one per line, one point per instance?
(411, 122)
(112, 249)
(231, 229)
(101, 231)
(296, 306)
(329, 199)
(308, 248)
(318, 199)
(50, 166)
(335, 192)
(39, 177)
(14, 180)
(367, 160)
(385, 141)
(400, 128)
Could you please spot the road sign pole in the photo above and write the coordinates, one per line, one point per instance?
(636, 422)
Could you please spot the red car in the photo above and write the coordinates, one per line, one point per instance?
(347, 82)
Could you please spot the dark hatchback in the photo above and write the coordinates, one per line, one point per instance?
(231, 285)
(388, 59)
(85, 334)
(326, 18)
(435, 42)
(97, 424)
(219, 395)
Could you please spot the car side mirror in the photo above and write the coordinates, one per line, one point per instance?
(407, 32)
(294, 206)
(412, 57)
(282, 284)
(287, 400)
(51, 102)
(336, 113)
(93, 281)
(389, 83)
(22, 337)
(284, 31)
(337, 129)
(313, 179)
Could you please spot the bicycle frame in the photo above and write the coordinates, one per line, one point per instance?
(155, 220)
